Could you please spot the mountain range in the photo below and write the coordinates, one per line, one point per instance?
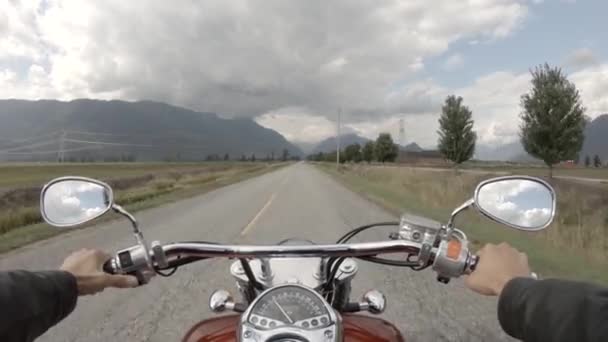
(330, 144)
(145, 130)
(596, 138)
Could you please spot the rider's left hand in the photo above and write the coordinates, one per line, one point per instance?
(86, 265)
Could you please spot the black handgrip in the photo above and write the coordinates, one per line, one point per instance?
(471, 264)
(239, 307)
(351, 307)
(108, 267)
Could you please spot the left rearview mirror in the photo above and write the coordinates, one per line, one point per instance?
(70, 201)
(522, 202)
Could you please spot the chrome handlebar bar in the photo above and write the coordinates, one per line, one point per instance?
(285, 251)
(447, 260)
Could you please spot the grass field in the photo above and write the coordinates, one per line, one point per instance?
(539, 169)
(136, 186)
(31, 174)
(574, 246)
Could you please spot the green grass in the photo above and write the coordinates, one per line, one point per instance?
(34, 174)
(541, 170)
(155, 193)
(390, 190)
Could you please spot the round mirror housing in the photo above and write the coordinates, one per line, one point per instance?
(522, 202)
(70, 201)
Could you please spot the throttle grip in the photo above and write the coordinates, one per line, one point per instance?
(108, 266)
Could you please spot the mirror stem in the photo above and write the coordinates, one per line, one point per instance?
(466, 205)
(117, 208)
(138, 235)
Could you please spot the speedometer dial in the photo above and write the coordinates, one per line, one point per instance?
(289, 305)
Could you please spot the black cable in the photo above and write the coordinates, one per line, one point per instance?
(389, 262)
(333, 269)
(249, 273)
(358, 230)
(332, 275)
(160, 273)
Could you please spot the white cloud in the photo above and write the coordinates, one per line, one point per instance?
(582, 58)
(592, 83)
(298, 124)
(453, 62)
(238, 57)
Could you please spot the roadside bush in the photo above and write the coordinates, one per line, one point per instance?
(15, 218)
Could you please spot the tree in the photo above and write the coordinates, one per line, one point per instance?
(368, 151)
(226, 156)
(243, 158)
(285, 155)
(597, 162)
(385, 149)
(352, 153)
(456, 136)
(252, 157)
(587, 161)
(552, 118)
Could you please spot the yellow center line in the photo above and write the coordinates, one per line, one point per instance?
(258, 215)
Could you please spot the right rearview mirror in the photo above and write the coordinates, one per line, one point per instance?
(522, 202)
(70, 201)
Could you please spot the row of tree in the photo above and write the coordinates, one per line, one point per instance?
(552, 121)
(597, 161)
(285, 156)
(382, 150)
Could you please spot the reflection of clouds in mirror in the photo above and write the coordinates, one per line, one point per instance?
(522, 202)
(70, 202)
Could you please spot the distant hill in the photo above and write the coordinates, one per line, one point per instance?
(411, 147)
(507, 152)
(146, 130)
(596, 138)
(329, 144)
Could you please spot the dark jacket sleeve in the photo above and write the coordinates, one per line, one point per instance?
(32, 302)
(554, 310)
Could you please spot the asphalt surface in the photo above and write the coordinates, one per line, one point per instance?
(297, 201)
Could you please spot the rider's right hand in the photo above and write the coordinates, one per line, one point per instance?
(497, 265)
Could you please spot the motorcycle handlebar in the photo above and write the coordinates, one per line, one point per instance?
(181, 253)
(207, 250)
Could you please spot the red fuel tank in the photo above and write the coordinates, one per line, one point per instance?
(357, 328)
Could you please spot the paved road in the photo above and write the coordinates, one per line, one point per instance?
(297, 201)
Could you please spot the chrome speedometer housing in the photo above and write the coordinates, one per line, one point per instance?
(289, 312)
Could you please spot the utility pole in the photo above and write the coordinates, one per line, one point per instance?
(338, 139)
(61, 153)
(401, 133)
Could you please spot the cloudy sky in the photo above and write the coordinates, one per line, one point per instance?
(292, 64)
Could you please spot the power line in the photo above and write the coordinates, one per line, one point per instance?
(55, 151)
(38, 144)
(106, 143)
(110, 134)
(21, 141)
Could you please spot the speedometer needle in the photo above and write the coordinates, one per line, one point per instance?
(282, 311)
